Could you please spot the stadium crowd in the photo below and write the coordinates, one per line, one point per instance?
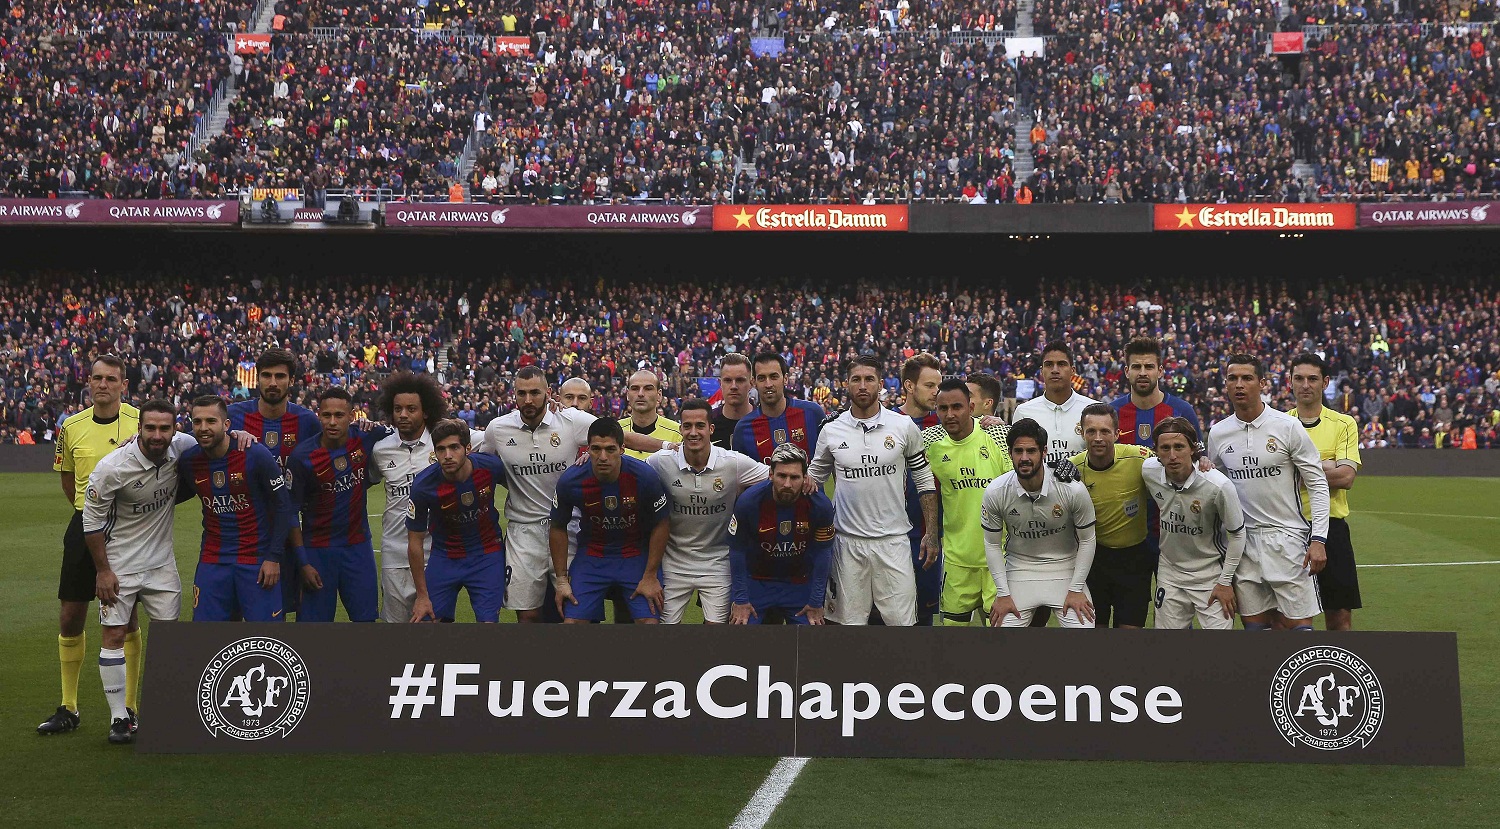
(1417, 363)
(1134, 102)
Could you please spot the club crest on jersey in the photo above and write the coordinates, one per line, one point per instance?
(798, 434)
(555, 440)
(890, 442)
(1197, 507)
(288, 440)
(984, 452)
(432, 457)
(610, 502)
(1143, 431)
(1271, 445)
(341, 463)
(357, 457)
(219, 479)
(628, 502)
(779, 436)
(1057, 510)
(93, 494)
(785, 528)
(802, 526)
(467, 498)
(273, 438)
(718, 484)
(237, 478)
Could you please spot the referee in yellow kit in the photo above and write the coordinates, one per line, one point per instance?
(643, 397)
(1337, 437)
(1120, 580)
(82, 441)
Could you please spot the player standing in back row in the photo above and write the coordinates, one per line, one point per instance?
(1270, 458)
(778, 419)
(1336, 437)
(1147, 404)
(871, 449)
(703, 482)
(920, 377)
(1059, 409)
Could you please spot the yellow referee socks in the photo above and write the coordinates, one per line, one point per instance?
(133, 670)
(70, 652)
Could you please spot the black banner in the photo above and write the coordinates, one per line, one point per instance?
(1364, 697)
(1031, 218)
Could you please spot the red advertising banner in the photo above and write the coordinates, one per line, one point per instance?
(1450, 214)
(1297, 217)
(112, 212)
(824, 217)
(1288, 43)
(548, 217)
(515, 46)
(252, 44)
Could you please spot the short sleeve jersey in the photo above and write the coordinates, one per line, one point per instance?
(777, 539)
(1137, 424)
(1118, 495)
(535, 459)
(82, 442)
(757, 435)
(702, 505)
(330, 488)
(1064, 433)
(460, 516)
(962, 469)
(1336, 436)
(281, 435)
(130, 499)
(615, 517)
(664, 430)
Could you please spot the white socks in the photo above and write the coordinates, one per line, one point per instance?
(112, 674)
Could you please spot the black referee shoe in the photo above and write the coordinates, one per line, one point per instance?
(59, 723)
(135, 722)
(120, 732)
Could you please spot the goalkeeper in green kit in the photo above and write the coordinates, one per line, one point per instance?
(964, 458)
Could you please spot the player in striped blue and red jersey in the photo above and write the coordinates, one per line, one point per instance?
(454, 501)
(330, 479)
(282, 426)
(1147, 404)
(247, 513)
(778, 419)
(781, 547)
(920, 377)
(623, 529)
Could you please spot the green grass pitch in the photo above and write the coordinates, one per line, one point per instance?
(81, 780)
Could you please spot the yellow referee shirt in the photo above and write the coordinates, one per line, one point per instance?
(1119, 495)
(1337, 437)
(83, 441)
(664, 430)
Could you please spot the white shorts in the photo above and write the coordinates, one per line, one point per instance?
(528, 562)
(1271, 576)
(159, 591)
(1176, 607)
(873, 572)
(1030, 595)
(397, 593)
(713, 592)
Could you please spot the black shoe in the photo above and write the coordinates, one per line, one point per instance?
(120, 732)
(59, 723)
(135, 722)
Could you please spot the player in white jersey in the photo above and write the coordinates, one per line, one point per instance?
(870, 449)
(1202, 532)
(1059, 410)
(703, 482)
(413, 402)
(1038, 538)
(1270, 458)
(537, 445)
(127, 525)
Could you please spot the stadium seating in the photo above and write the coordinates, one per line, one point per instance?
(1408, 357)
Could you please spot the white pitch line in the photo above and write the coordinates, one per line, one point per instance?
(757, 813)
(1431, 515)
(1431, 564)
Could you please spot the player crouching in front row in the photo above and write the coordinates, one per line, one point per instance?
(1038, 537)
(781, 547)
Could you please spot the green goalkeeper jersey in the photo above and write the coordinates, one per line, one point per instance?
(963, 469)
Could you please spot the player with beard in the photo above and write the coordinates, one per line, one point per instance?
(282, 426)
(781, 547)
(538, 445)
(920, 377)
(779, 418)
(1147, 404)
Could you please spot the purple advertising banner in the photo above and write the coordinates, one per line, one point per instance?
(113, 212)
(1474, 214)
(550, 217)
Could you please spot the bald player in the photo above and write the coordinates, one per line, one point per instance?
(576, 393)
(643, 397)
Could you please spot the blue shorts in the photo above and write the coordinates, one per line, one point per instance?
(779, 598)
(228, 593)
(594, 576)
(348, 573)
(929, 582)
(482, 575)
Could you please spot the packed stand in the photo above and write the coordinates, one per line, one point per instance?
(1417, 363)
(101, 110)
(375, 110)
(896, 15)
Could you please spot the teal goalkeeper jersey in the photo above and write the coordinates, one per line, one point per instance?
(963, 469)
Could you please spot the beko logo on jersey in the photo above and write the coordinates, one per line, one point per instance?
(1327, 698)
(253, 689)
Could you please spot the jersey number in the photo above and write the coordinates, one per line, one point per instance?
(1161, 596)
(507, 577)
